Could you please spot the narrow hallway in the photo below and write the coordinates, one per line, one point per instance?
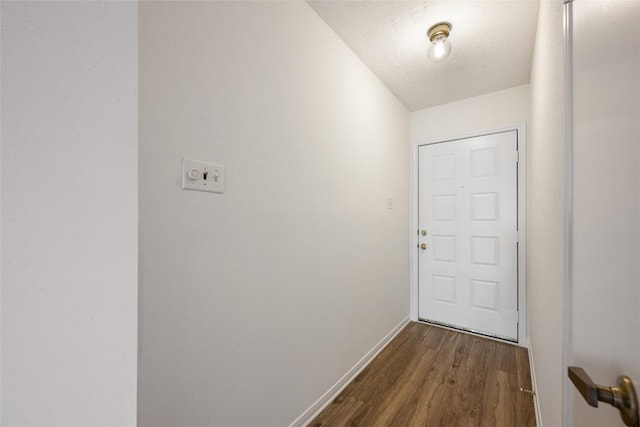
(430, 376)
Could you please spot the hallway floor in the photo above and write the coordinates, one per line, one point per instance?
(431, 376)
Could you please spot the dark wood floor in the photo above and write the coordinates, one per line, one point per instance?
(430, 376)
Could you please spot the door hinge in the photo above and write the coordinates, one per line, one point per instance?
(515, 316)
(517, 156)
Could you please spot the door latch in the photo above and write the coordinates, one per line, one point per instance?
(622, 396)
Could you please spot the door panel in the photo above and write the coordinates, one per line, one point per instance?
(606, 194)
(468, 207)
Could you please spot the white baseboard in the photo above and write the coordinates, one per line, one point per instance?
(324, 401)
(534, 385)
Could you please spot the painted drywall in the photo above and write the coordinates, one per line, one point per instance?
(546, 212)
(69, 213)
(256, 301)
(606, 189)
(494, 110)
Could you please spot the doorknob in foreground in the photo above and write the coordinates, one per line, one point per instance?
(623, 396)
(423, 246)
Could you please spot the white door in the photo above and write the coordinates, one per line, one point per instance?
(606, 201)
(468, 253)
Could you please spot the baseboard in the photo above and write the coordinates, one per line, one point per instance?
(343, 382)
(536, 402)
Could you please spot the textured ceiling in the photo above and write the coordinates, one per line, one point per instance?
(492, 44)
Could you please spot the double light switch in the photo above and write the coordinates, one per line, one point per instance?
(202, 176)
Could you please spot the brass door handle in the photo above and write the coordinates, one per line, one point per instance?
(423, 246)
(623, 396)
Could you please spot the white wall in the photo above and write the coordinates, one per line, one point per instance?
(546, 213)
(69, 214)
(255, 302)
(480, 113)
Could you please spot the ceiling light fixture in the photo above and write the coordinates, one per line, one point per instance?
(440, 46)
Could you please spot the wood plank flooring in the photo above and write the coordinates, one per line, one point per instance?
(430, 376)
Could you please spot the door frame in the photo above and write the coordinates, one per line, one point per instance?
(567, 327)
(522, 224)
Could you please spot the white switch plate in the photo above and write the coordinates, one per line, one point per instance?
(205, 176)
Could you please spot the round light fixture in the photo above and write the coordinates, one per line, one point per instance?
(440, 46)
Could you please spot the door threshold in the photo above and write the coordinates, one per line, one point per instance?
(468, 331)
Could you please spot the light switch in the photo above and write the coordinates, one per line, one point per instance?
(202, 176)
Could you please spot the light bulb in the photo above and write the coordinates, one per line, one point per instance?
(439, 49)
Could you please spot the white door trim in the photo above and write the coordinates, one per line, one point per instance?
(567, 333)
(522, 225)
